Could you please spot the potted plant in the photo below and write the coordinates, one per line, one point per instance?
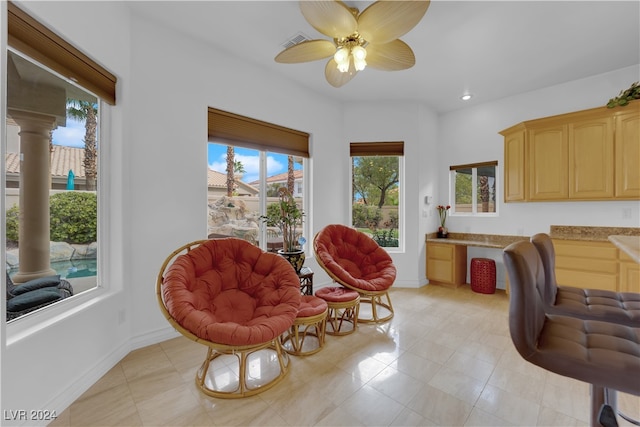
(288, 217)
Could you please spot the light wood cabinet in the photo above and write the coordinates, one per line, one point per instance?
(591, 160)
(515, 167)
(627, 148)
(595, 265)
(629, 274)
(586, 155)
(548, 154)
(446, 264)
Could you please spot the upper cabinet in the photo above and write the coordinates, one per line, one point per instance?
(627, 153)
(587, 155)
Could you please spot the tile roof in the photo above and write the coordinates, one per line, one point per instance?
(62, 159)
(217, 179)
(281, 177)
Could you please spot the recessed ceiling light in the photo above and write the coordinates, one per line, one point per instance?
(466, 97)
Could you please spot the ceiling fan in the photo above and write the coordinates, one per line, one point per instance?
(370, 37)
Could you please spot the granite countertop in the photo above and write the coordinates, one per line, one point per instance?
(496, 241)
(629, 245)
(593, 234)
(559, 232)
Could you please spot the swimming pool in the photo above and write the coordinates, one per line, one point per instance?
(72, 269)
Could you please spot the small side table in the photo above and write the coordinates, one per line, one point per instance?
(306, 281)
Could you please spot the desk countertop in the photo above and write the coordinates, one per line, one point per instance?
(628, 244)
(495, 241)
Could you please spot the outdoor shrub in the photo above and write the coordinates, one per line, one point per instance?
(74, 217)
(386, 237)
(13, 214)
(363, 215)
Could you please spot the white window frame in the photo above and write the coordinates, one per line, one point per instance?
(474, 194)
(401, 197)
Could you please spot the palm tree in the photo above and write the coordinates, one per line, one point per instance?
(230, 170)
(88, 112)
(484, 192)
(290, 177)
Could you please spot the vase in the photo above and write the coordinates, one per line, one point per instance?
(443, 234)
(295, 258)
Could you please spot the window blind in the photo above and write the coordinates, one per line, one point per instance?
(391, 148)
(34, 39)
(232, 129)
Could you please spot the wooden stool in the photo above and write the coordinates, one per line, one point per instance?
(310, 322)
(344, 305)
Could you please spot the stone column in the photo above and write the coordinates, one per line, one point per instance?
(35, 132)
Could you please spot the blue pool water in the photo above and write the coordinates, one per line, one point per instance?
(72, 269)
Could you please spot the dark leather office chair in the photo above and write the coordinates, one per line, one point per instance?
(603, 354)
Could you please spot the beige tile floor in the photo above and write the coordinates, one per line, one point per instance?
(444, 359)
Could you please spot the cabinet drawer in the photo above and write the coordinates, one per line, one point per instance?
(587, 280)
(443, 252)
(587, 265)
(578, 249)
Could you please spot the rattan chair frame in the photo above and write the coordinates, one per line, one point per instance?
(216, 350)
(341, 312)
(303, 327)
(374, 298)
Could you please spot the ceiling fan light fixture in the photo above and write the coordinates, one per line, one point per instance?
(359, 55)
(342, 59)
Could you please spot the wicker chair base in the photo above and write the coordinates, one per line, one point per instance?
(247, 385)
(342, 318)
(376, 301)
(293, 341)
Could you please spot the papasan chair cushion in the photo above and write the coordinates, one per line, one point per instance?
(230, 292)
(354, 259)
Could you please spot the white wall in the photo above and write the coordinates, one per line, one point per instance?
(471, 135)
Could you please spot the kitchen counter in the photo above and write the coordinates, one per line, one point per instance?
(628, 244)
(591, 234)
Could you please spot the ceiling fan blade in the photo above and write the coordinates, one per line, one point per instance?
(337, 78)
(331, 18)
(385, 21)
(393, 56)
(309, 50)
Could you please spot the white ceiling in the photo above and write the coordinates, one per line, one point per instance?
(492, 49)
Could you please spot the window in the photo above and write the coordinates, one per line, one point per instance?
(474, 188)
(54, 104)
(248, 161)
(376, 196)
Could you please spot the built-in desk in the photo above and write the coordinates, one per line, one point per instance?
(447, 258)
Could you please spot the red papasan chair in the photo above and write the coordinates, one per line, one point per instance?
(356, 261)
(235, 299)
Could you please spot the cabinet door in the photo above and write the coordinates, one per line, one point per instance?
(627, 145)
(514, 166)
(548, 163)
(591, 159)
(629, 277)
